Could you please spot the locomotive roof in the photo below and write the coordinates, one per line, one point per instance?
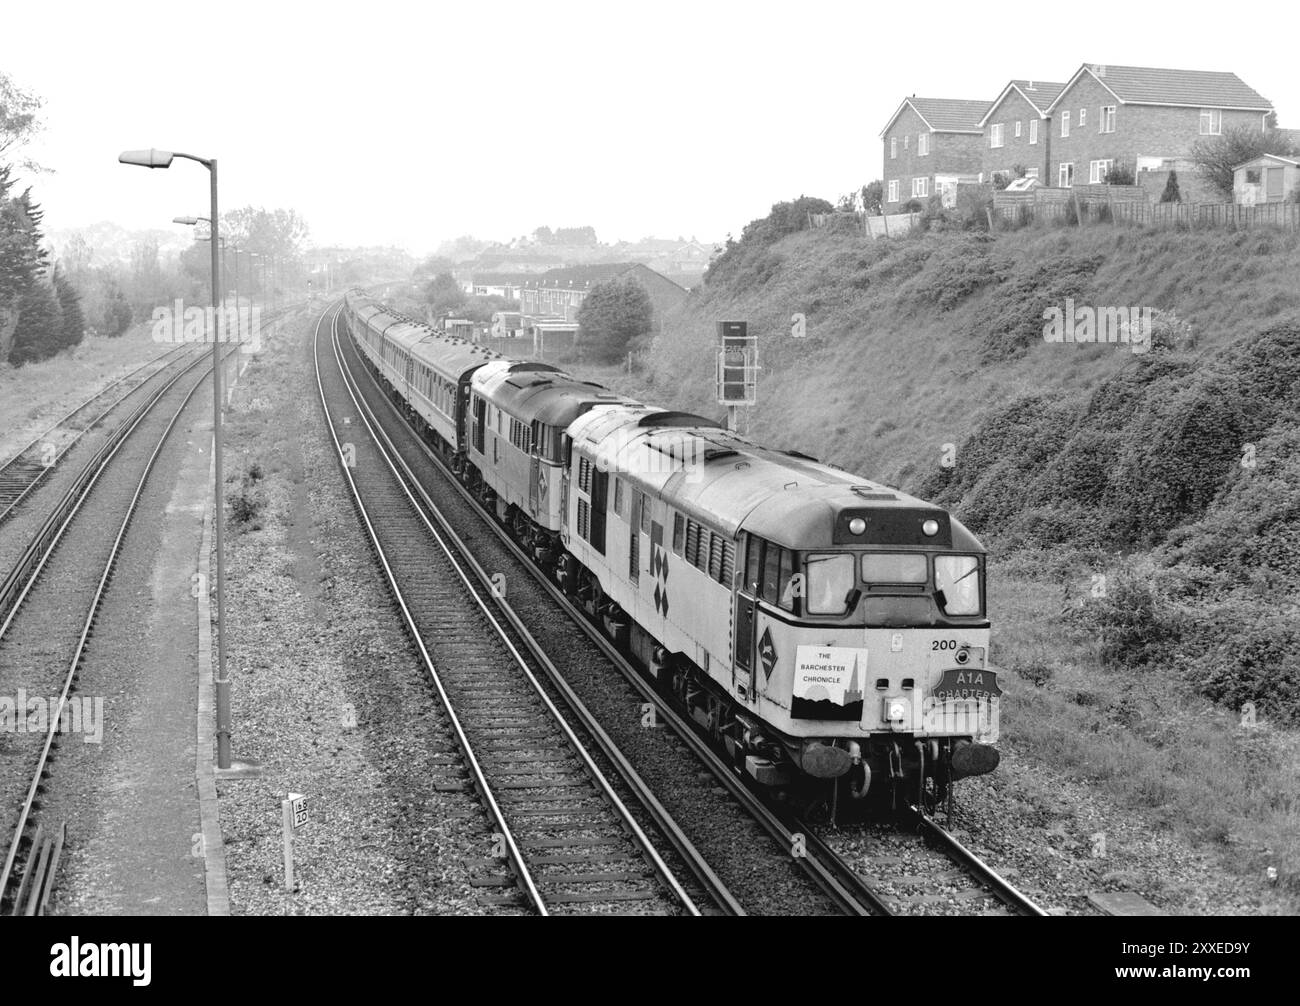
(540, 392)
(448, 355)
(730, 483)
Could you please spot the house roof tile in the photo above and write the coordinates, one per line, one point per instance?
(950, 115)
(1145, 85)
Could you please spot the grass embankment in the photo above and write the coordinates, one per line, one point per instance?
(36, 395)
(1143, 511)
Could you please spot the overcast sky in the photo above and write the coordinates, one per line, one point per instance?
(410, 123)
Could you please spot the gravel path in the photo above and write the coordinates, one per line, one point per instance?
(328, 695)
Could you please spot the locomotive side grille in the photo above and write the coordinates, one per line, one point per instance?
(728, 562)
(715, 557)
(584, 520)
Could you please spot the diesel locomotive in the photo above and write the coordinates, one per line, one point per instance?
(817, 625)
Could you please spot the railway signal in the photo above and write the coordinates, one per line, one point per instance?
(737, 373)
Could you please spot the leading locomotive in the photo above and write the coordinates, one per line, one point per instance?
(815, 624)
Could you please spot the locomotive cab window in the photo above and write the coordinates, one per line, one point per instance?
(957, 584)
(885, 571)
(830, 580)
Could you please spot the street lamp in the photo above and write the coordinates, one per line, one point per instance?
(193, 222)
(153, 158)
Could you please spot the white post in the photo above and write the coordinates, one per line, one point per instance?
(286, 808)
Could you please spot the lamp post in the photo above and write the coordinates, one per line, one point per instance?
(163, 159)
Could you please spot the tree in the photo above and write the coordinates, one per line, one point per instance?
(1171, 193)
(873, 197)
(1218, 155)
(612, 315)
(73, 320)
(544, 235)
(117, 310)
(19, 121)
(39, 334)
(444, 295)
(431, 267)
(575, 236)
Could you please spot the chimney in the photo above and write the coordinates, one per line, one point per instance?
(1031, 86)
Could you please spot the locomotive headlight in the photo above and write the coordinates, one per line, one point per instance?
(896, 711)
(930, 528)
(857, 526)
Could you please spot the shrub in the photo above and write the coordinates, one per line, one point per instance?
(1120, 174)
(1136, 624)
(1011, 324)
(1171, 193)
(1250, 656)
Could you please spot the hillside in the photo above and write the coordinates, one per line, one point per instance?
(1142, 510)
(911, 343)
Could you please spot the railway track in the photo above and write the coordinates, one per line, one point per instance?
(51, 602)
(918, 867)
(565, 840)
(762, 838)
(25, 470)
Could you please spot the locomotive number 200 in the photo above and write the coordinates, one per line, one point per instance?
(943, 644)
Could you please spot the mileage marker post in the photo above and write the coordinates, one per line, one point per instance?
(153, 158)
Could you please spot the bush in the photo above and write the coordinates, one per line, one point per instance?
(245, 502)
(1120, 174)
(1252, 657)
(1012, 323)
(1171, 193)
(1136, 625)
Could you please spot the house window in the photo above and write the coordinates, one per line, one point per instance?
(1033, 130)
(1065, 123)
(1097, 170)
(1017, 129)
(1065, 174)
(995, 135)
(1031, 173)
(1083, 117)
(893, 147)
(1107, 121)
(1211, 122)
(893, 191)
(920, 187)
(923, 145)
(1252, 176)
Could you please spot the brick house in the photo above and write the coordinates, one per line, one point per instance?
(930, 145)
(1145, 118)
(559, 293)
(1017, 129)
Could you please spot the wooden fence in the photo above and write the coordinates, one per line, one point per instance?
(1156, 214)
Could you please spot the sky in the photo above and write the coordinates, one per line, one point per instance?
(413, 123)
